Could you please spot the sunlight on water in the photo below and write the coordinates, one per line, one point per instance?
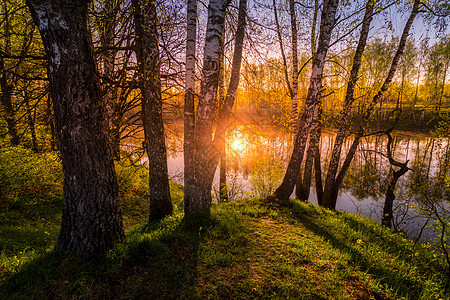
(258, 155)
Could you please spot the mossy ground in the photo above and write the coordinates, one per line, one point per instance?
(251, 249)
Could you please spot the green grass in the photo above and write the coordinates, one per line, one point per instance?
(250, 250)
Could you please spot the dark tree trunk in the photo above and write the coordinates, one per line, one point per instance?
(332, 188)
(92, 218)
(6, 86)
(50, 120)
(221, 148)
(147, 54)
(388, 216)
(318, 171)
(311, 108)
(348, 102)
(6, 100)
(31, 120)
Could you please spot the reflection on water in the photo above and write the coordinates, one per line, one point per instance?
(258, 155)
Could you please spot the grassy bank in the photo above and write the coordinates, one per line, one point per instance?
(251, 249)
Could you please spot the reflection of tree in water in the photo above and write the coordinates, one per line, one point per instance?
(370, 172)
(364, 178)
(259, 154)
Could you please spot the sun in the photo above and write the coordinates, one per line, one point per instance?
(238, 144)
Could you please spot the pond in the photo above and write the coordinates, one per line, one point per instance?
(257, 156)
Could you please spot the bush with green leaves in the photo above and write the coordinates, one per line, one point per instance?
(266, 176)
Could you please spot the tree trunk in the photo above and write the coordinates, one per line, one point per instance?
(197, 194)
(51, 121)
(348, 102)
(388, 217)
(311, 108)
(313, 27)
(207, 150)
(31, 120)
(293, 89)
(189, 110)
(6, 87)
(223, 192)
(332, 188)
(318, 170)
(147, 54)
(303, 187)
(92, 218)
(294, 94)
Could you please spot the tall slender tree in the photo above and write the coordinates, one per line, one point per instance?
(349, 99)
(331, 191)
(147, 54)
(6, 81)
(189, 109)
(197, 193)
(311, 106)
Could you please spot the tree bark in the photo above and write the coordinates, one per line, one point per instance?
(303, 187)
(189, 109)
(223, 191)
(311, 107)
(197, 194)
(313, 27)
(331, 192)
(147, 54)
(207, 150)
(348, 102)
(318, 170)
(294, 94)
(92, 218)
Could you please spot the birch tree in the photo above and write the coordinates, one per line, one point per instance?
(349, 99)
(331, 191)
(92, 218)
(206, 152)
(311, 106)
(228, 100)
(189, 111)
(197, 193)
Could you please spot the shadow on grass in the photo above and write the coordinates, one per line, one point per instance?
(158, 262)
(397, 281)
